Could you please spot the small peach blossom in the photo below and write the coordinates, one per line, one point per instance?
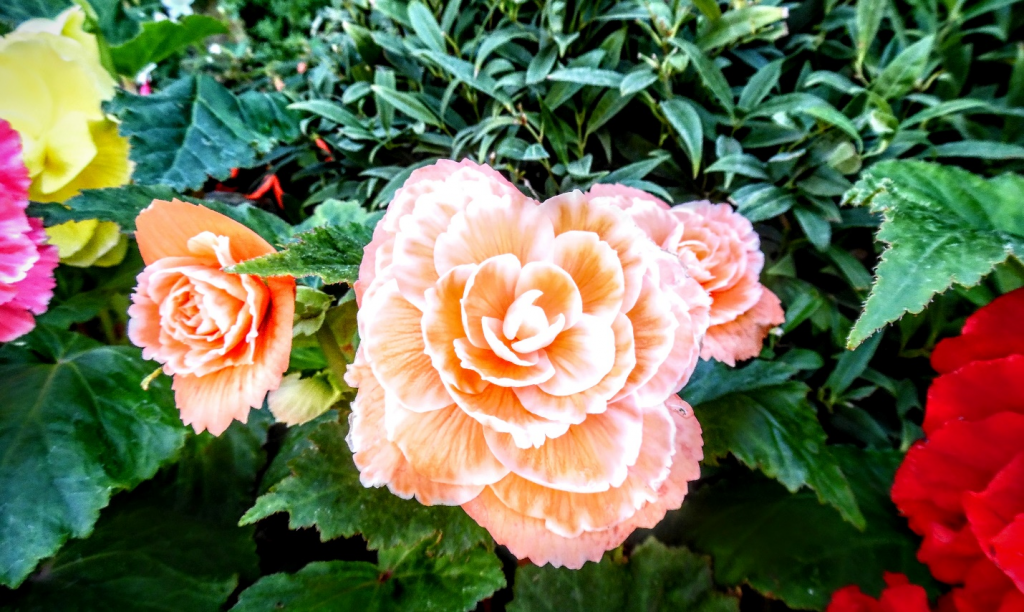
(522, 360)
(225, 338)
(718, 248)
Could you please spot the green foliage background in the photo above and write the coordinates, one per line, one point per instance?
(789, 111)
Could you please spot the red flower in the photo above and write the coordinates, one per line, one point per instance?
(962, 489)
(899, 596)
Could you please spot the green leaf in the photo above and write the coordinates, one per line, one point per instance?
(740, 163)
(710, 74)
(761, 416)
(412, 578)
(542, 63)
(901, 75)
(331, 252)
(868, 19)
(426, 26)
(738, 24)
(980, 149)
(654, 578)
(587, 76)
(16, 11)
(709, 8)
(267, 114)
(408, 104)
(75, 427)
(943, 225)
(788, 546)
(637, 81)
(181, 135)
(122, 204)
(334, 112)
(686, 122)
(160, 40)
(760, 85)
(324, 490)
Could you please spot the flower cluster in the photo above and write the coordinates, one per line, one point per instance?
(898, 596)
(544, 343)
(26, 263)
(962, 488)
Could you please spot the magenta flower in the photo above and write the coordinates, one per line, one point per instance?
(26, 261)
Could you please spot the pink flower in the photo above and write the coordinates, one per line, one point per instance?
(26, 262)
(522, 360)
(720, 249)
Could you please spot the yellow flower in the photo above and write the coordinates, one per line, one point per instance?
(54, 87)
(89, 243)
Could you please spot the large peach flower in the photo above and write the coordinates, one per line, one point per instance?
(720, 249)
(522, 359)
(225, 338)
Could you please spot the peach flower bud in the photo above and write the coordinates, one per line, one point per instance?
(720, 249)
(522, 360)
(225, 338)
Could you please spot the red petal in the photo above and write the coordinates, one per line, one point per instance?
(996, 330)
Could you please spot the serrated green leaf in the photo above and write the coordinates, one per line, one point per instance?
(412, 578)
(943, 225)
(185, 133)
(330, 252)
(75, 427)
(686, 122)
(160, 40)
(790, 547)
(655, 578)
(324, 490)
(761, 416)
(710, 74)
(738, 24)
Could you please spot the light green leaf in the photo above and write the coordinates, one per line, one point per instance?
(654, 578)
(637, 81)
(901, 75)
(160, 40)
(942, 225)
(738, 24)
(324, 490)
(790, 547)
(761, 416)
(75, 427)
(686, 122)
(426, 27)
(587, 76)
(300, 400)
(408, 104)
(980, 149)
(740, 163)
(413, 578)
(331, 252)
(868, 19)
(333, 112)
(188, 131)
(542, 63)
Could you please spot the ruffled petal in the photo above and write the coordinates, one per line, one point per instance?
(596, 270)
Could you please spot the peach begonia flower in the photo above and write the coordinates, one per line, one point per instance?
(225, 338)
(719, 249)
(522, 360)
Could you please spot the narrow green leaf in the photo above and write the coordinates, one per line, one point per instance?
(903, 72)
(426, 27)
(946, 107)
(637, 81)
(408, 104)
(738, 24)
(587, 76)
(686, 122)
(760, 85)
(636, 170)
(610, 104)
(542, 63)
(980, 149)
(709, 8)
(740, 163)
(868, 20)
(332, 112)
(850, 366)
(710, 74)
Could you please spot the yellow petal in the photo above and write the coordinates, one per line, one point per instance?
(106, 238)
(70, 237)
(109, 168)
